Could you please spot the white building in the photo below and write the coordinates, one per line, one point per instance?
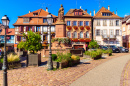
(107, 27)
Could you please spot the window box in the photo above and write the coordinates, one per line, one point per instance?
(81, 40)
(38, 32)
(87, 40)
(75, 40)
(75, 27)
(44, 32)
(81, 28)
(87, 27)
(69, 27)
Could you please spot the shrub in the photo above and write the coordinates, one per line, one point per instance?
(93, 44)
(54, 57)
(74, 57)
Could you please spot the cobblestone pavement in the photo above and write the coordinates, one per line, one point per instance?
(125, 78)
(39, 76)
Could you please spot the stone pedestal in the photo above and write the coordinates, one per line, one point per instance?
(60, 30)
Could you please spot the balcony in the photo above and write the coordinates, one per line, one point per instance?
(104, 36)
(112, 36)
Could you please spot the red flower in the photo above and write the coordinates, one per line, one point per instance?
(81, 40)
(87, 40)
(69, 27)
(75, 40)
(81, 28)
(87, 27)
(75, 27)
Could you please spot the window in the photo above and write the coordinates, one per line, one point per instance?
(75, 13)
(25, 20)
(104, 32)
(111, 22)
(74, 23)
(38, 29)
(117, 32)
(98, 32)
(52, 28)
(106, 14)
(98, 22)
(45, 38)
(69, 34)
(30, 29)
(87, 23)
(111, 32)
(123, 28)
(75, 34)
(124, 37)
(45, 29)
(104, 23)
(68, 23)
(87, 34)
(117, 22)
(81, 23)
(44, 20)
(81, 34)
(35, 14)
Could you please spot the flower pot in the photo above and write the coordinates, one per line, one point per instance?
(15, 64)
(60, 64)
(34, 59)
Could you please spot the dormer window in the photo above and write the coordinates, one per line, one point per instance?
(106, 14)
(44, 20)
(35, 14)
(78, 12)
(26, 20)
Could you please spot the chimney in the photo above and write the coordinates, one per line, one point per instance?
(94, 12)
(108, 7)
(29, 11)
(86, 10)
(46, 9)
(90, 13)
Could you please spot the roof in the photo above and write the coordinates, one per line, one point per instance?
(71, 13)
(126, 18)
(10, 32)
(1, 26)
(104, 10)
(41, 13)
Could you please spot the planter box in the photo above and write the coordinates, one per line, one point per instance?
(74, 62)
(97, 57)
(60, 64)
(34, 59)
(1, 66)
(12, 65)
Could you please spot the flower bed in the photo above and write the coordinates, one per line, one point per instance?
(107, 53)
(87, 27)
(81, 28)
(75, 27)
(69, 27)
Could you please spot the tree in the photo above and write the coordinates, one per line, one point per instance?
(32, 43)
(93, 44)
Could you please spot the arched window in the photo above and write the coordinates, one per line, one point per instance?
(87, 34)
(75, 34)
(68, 34)
(81, 34)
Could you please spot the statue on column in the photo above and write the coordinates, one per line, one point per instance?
(61, 14)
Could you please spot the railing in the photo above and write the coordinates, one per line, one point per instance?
(105, 36)
(112, 36)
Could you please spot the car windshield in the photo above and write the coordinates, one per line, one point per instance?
(113, 47)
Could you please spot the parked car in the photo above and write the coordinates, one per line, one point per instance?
(103, 47)
(82, 49)
(114, 48)
(123, 49)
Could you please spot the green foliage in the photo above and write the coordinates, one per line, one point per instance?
(54, 57)
(32, 43)
(109, 51)
(93, 44)
(63, 40)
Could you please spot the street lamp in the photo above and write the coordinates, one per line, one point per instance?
(5, 22)
(50, 21)
(108, 41)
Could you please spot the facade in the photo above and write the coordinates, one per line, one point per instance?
(35, 21)
(126, 31)
(107, 27)
(78, 27)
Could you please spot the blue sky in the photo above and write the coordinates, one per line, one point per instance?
(15, 8)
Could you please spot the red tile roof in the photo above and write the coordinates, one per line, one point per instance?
(10, 32)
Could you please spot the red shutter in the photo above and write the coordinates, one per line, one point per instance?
(84, 35)
(18, 38)
(78, 35)
(26, 28)
(20, 29)
(7, 31)
(72, 35)
(33, 28)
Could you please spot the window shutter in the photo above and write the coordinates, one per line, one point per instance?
(84, 23)
(7, 31)
(78, 23)
(84, 35)
(18, 38)
(90, 35)
(72, 35)
(33, 28)
(90, 23)
(78, 35)
(20, 29)
(26, 28)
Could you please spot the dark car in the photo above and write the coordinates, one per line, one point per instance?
(82, 49)
(114, 48)
(123, 49)
(103, 47)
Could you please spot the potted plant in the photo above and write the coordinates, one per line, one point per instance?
(75, 27)
(75, 40)
(81, 40)
(69, 27)
(87, 40)
(32, 44)
(75, 59)
(87, 27)
(81, 28)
